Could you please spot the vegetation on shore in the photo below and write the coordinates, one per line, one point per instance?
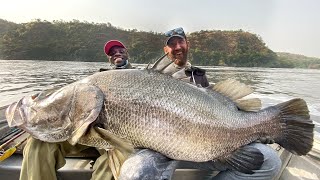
(84, 41)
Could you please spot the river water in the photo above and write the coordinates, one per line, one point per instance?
(19, 78)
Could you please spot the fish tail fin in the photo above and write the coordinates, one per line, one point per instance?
(296, 127)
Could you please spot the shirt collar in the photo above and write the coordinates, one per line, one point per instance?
(186, 66)
(123, 66)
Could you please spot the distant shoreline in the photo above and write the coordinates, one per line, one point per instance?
(97, 61)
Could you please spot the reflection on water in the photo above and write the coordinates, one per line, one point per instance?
(20, 78)
(280, 83)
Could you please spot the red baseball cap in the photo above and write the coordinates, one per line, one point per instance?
(110, 44)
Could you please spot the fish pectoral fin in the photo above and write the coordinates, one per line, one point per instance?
(117, 151)
(119, 143)
(245, 160)
(94, 139)
(121, 150)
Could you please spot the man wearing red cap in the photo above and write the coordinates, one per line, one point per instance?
(118, 55)
(43, 159)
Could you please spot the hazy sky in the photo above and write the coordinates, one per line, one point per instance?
(284, 25)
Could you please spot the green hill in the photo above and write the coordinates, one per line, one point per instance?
(6, 26)
(84, 41)
(298, 61)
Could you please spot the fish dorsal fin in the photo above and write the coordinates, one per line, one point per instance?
(232, 89)
(236, 90)
(161, 63)
(148, 65)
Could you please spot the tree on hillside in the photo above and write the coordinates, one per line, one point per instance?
(84, 41)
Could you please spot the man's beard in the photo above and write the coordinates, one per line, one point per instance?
(180, 58)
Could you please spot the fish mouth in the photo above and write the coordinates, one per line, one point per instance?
(15, 113)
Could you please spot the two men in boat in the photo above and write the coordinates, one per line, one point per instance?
(175, 63)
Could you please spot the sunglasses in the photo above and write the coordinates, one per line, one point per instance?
(175, 31)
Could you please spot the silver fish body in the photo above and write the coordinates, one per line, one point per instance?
(155, 111)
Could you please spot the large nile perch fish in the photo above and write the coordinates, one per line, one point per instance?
(154, 111)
